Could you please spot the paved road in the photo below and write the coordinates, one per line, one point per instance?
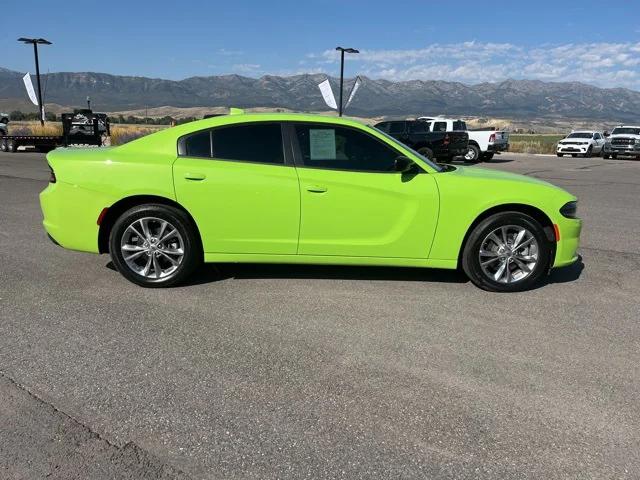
(322, 372)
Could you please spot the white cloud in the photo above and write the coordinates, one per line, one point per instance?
(602, 64)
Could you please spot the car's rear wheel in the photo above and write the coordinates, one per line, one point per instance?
(155, 245)
(507, 252)
(473, 154)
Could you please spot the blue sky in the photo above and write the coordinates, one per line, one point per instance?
(467, 41)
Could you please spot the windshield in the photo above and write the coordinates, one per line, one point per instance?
(626, 130)
(580, 135)
(435, 166)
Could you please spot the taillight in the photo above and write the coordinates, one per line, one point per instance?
(492, 137)
(446, 139)
(52, 175)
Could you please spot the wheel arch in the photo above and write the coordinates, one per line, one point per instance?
(530, 210)
(121, 206)
(473, 142)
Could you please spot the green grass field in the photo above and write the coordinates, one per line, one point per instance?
(534, 143)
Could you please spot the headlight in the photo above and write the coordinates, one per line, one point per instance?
(570, 210)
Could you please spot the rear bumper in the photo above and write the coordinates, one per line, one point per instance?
(70, 215)
(567, 246)
(498, 147)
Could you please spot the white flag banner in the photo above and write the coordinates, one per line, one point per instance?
(354, 89)
(29, 86)
(327, 94)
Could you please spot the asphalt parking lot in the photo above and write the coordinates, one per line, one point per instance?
(322, 372)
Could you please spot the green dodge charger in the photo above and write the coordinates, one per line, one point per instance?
(292, 188)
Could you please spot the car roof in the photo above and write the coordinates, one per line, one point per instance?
(267, 117)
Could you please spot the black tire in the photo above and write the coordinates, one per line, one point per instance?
(574, 155)
(427, 152)
(191, 245)
(589, 152)
(3, 144)
(605, 155)
(614, 155)
(487, 157)
(473, 154)
(560, 154)
(12, 146)
(471, 253)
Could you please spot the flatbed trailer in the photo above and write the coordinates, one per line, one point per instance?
(73, 133)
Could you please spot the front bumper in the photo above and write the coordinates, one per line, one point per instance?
(622, 149)
(580, 149)
(567, 246)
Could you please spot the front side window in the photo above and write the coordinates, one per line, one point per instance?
(340, 148)
(459, 125)
(440, 126)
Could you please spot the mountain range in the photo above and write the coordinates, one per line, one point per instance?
(376, 97)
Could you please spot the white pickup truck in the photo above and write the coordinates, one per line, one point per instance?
(623, 141)
(4, 120)
(483, 144)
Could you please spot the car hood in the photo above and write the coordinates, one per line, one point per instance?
(499, 175)
(623, 135)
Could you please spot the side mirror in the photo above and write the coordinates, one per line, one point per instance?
(404, 164)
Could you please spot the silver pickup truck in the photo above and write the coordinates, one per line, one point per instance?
(4, 121)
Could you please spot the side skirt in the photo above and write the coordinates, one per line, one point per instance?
(329, 260)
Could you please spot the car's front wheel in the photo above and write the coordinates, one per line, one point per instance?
(507, 252)
(155, 245)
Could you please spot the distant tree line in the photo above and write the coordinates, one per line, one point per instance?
(17, 115)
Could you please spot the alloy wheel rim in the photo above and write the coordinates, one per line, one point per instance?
(471, 155)
(152, 247)
(508, 254)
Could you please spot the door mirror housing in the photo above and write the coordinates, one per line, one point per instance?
(405, 165)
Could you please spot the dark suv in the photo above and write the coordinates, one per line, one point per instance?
(431, 139)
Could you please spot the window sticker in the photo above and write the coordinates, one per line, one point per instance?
(322, 144)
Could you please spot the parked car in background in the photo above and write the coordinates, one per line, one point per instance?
(4, 124)
(483, 143)
(583, 142)
(435, 140)
(311, 189)
(625, 141)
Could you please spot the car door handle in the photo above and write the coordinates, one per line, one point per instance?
(194, 176)
(316, 189)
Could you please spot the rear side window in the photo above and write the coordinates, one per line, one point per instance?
(261, 143)
(440, 126)
(339, 148)
(396, 127)
(459, 125)
(383, 126)
(258, 142)
(198, 145)
(419, 127)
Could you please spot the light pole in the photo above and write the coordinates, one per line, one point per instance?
(342, 52)
(36, 42)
